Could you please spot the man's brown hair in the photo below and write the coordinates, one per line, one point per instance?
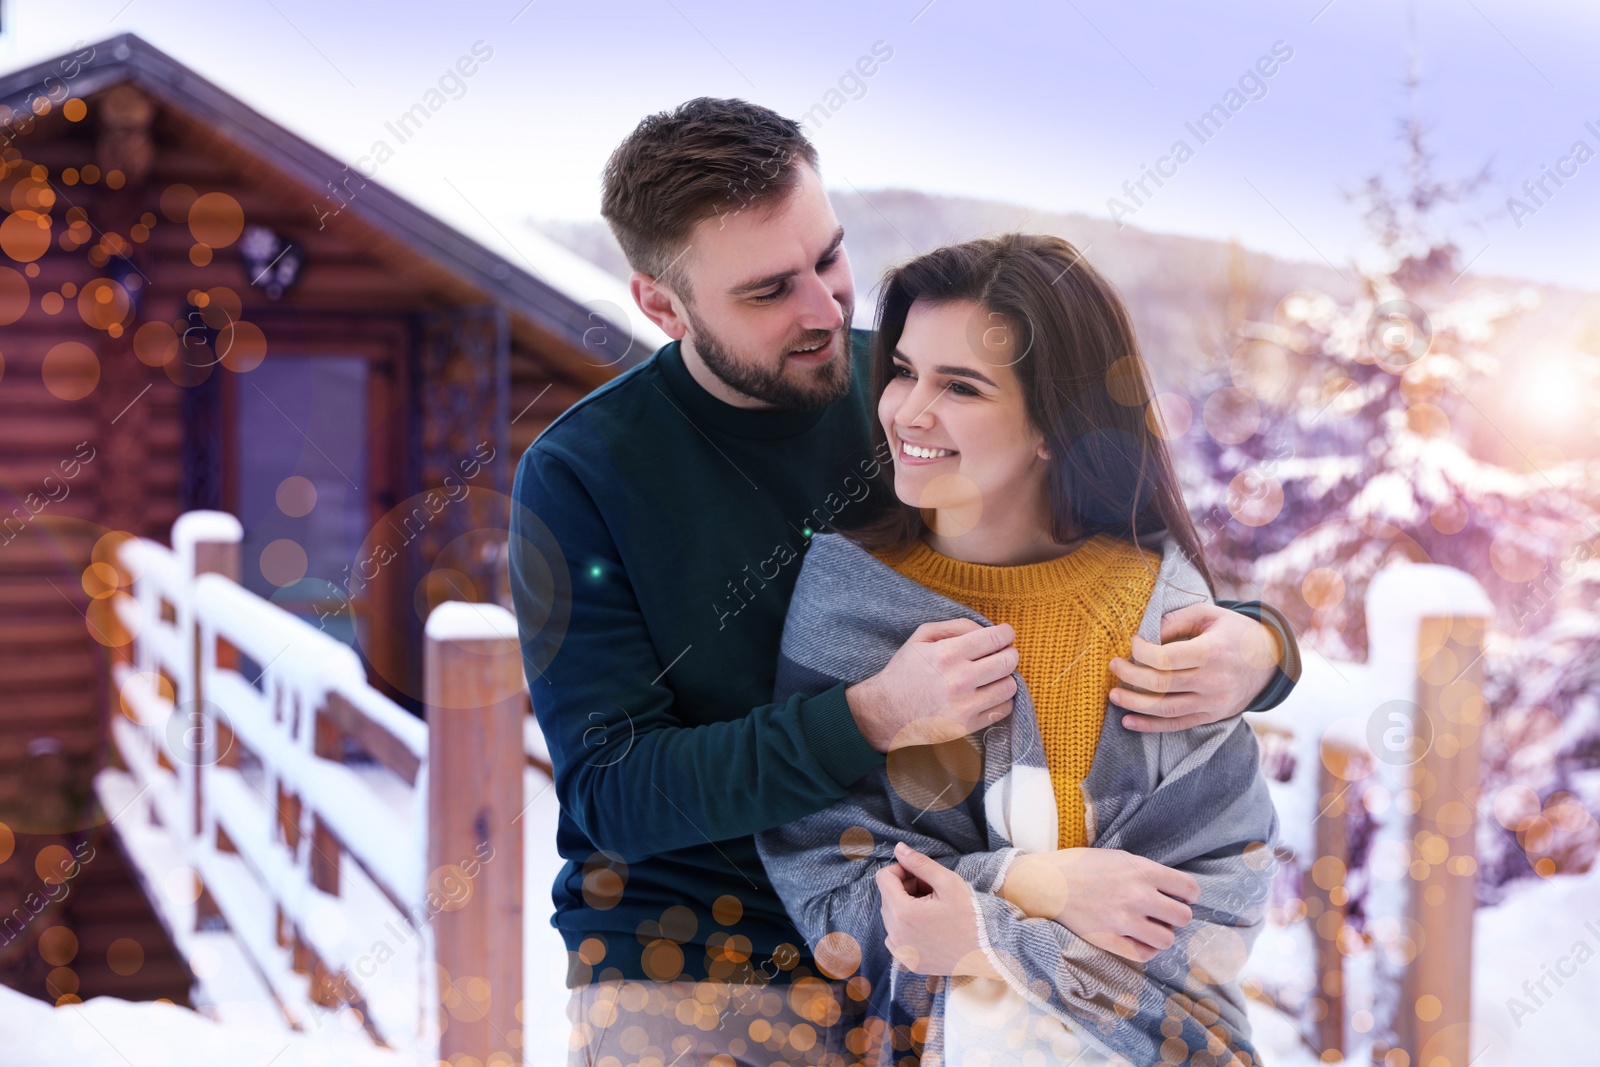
(705, 157)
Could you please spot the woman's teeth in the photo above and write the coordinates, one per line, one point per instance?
(918, 452)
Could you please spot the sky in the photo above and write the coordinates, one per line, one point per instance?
(1051, 105)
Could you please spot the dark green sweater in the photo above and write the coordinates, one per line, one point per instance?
(656, 536)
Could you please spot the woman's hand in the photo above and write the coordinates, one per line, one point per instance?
(928, 914)
(1115, 900)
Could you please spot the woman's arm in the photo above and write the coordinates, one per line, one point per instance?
(1126, 904)
(1210, 819)
(824, 865)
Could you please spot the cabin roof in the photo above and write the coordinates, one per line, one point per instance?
(560, 297)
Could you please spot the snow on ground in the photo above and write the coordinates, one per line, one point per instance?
(106, 1032)
(544, 960)
(1544, 929)
(1277, 1041)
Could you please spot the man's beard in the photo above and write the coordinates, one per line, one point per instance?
(822, 385)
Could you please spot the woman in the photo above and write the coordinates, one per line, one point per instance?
(1033, 491)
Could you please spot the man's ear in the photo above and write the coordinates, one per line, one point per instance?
(659, 304)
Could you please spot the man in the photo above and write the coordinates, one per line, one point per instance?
(659, 527)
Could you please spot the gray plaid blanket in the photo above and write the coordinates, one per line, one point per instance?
(1193, 800)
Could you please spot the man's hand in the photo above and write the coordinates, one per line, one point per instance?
(1115, 900)
(948, 680)
(1210, 665)
(928, 915)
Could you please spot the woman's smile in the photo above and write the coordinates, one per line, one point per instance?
(917, 453)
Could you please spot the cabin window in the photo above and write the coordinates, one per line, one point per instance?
(300, 445)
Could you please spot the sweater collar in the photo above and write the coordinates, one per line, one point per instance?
(1081, 567)
(708, 412)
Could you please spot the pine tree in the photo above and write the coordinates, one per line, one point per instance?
(1343, 436)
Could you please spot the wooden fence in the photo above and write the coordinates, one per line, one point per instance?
(1392, 746)
(309, 843)
(314, 847)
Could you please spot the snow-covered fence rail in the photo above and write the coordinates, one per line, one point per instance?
(1374, 770)
(308, 842)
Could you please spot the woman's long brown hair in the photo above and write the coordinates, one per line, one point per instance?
(1085, 385)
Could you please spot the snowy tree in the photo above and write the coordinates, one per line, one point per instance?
(1346, 434)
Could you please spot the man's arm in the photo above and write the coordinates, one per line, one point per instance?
(637, 780)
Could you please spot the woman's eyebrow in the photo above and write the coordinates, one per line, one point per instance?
(952, 371)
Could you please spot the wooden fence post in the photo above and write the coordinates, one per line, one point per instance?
(473, 688)
(210, 541)
(1426, 626)
(1331, 844)
(1435, 1014)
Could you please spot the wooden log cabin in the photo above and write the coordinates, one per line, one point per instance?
(199, 309)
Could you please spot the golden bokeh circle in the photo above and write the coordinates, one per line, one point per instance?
(1231, 415)
(449, 887)
(283, 562)
(1322, 588)
(957, 500)
(856, 843)
(220, 306)
(1260, 367)
(1169, 416)
(176, 200)
(143, 686)
(1449, 516)
(156, 344)
(605, 874)
(295, 496)
(1427, 420)
(1217, 954)
(591, 950)
(216, 220)
(102, 304)
(58, 946)
(104, 623)
(125, 956)
(62, 983)
(1125, 382)
(100, 580)
(838, 955)
(935, 777)
(108, 549)
(678, 923)
(14, 296)
(727, 909)
(1512, 555)
(25, 235)
(243, 346)
(54, 864)
(71, 370)
(1328, 872)
(182, 885)
(662, 960)
(33, 194)
(1253, 498)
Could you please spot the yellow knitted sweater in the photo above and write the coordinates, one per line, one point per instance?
(1072, 615)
